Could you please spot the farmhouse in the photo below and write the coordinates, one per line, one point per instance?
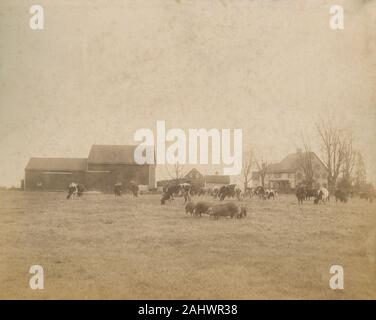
(287, 174)
(105, 166)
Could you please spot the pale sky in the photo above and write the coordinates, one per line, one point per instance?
(100, 70)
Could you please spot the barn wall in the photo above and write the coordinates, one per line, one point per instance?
(98, 181)
(152, 179)
(120, 173)
(51, 181)
(98, 178)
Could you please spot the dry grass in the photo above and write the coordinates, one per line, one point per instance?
(99, 247)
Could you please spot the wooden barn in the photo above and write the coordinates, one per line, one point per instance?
(54, 174)
(110, 164)
(105, 166)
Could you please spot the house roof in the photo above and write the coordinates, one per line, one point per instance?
(57, 164)
(220, 179)
(289, 164)
(194, 171)
(112, 154)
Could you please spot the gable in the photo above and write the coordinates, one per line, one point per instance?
(194, 174)
(112, 154)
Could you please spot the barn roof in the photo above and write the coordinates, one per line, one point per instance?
(289, 164)
(215, 178)
(57, 164)
(112, 154)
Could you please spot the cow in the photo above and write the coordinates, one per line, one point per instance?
(229, 209)
(323, 195)
(311, 193)
(133, 187)
(270, 193)
(118, 189)
(166, 196)
(227, 190)
(190, 208)
(72, 190)
(80, 189)
(202, 207)
(238, 193)
(248, 192)
(215, 192)
(173, 190)
(340, 195)
(260, 192)
(301, 194)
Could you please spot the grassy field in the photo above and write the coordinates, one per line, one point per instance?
(99, 247)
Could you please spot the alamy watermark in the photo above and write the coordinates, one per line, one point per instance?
(192, 148)
(36, 21)
(37, 280)
(337, 280)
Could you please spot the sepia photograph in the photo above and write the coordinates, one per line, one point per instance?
(188, 150)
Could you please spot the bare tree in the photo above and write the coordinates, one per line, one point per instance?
(262, 164)
(247, 167)
(360, 172)
(334, 142)
(350, 155)
(305, 161)
(177, 171)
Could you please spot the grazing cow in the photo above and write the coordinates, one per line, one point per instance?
(133, 187)
(248, 192)
(202, 207)
(227, 190)
(72, 191)
(187, 196)
(323, 194)
(190, 208)
(80, 189)
(260, 192)
(173, 190)
(270, 193)
(166, 196)
(311, 193)
(340, 195)
(238, 193)
(170, 192)
(176, 190)
(229, 209)
(215, 192)
(301, 194)
(185, 188)
(118, 189)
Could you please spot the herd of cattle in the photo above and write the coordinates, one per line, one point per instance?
(322, 195)
(77, 189)
(230, 191)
